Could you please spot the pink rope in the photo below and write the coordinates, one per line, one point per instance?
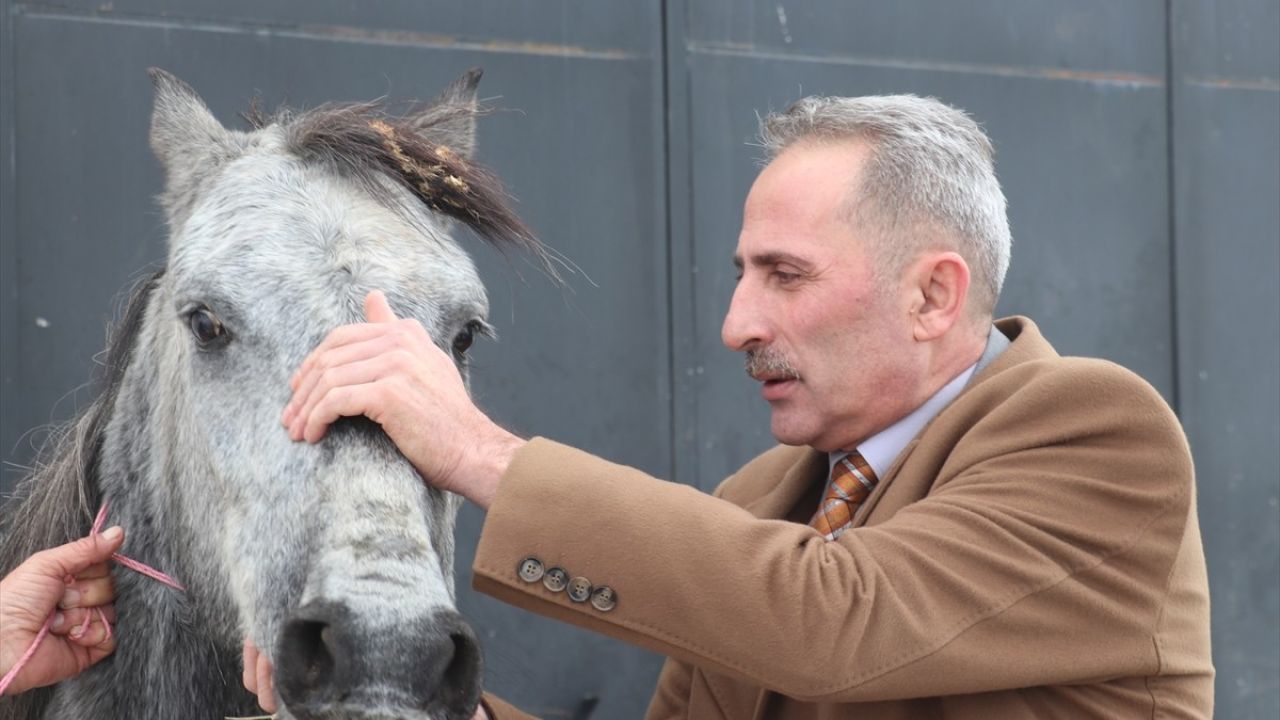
(26, 657)
(130, 563)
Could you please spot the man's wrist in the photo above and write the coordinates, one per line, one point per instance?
(495, 457)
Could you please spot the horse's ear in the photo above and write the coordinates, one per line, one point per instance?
(186, 138)
(181, 123)
(450, 120)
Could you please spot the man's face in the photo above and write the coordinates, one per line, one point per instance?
(834, 352)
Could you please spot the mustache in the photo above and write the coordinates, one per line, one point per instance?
(768, 364)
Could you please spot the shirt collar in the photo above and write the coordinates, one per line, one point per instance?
(881, 449)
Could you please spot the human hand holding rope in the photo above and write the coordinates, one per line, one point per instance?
(73, 583)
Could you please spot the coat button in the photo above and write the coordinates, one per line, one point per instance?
(604, 598)
(556, 579)
(579, 589)
(530, 569)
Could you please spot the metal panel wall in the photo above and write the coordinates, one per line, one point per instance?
(1136, 141)
(1226, 158)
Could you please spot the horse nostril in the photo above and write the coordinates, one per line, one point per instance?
(464, 670)
(312, 653)
(307, 656)
(328, 657)
(453, 667)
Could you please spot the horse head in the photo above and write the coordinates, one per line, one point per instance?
(336, 559)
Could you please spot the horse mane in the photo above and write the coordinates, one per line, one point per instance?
(364, 142)
(55, 502)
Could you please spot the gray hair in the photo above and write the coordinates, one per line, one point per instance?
(930, 181)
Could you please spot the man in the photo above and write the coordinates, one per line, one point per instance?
(978, 528)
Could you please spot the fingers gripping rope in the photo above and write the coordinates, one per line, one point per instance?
(130, 563)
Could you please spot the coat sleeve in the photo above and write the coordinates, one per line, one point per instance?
(671, 698)
(499, 709)
(1039, 557)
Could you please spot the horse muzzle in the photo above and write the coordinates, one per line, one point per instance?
(333, 665)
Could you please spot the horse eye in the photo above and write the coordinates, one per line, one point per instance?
(462, 341)
(205, 326)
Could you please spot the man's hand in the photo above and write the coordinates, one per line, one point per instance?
(74, 580)
(390, 371)
(257, 676)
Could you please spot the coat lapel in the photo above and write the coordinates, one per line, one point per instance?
(1002, 352)
(810, 467)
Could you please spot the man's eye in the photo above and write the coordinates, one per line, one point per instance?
(785, 277)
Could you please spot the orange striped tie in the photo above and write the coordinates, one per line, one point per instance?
(852, 480)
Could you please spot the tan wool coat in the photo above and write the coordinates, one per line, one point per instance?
(1033, 553)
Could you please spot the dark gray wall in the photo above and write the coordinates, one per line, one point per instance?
(1137, 143)
(1225, 110)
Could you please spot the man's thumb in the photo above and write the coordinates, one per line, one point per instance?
(80, 554)
(377, 309)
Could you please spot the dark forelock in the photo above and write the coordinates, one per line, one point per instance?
(363, 142)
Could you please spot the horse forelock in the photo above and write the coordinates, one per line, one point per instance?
(362, 140)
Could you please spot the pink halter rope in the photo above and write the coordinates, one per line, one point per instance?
(130, 563)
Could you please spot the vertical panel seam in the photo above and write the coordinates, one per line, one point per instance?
(10, 313)
(670, 240)
(1175, 345)
(682, 405)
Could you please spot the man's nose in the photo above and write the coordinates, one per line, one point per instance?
(744, 326)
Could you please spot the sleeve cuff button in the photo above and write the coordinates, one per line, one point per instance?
(556, 579)
(604, 598)
(530, 569)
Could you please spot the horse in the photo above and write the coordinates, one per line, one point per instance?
(335, 559)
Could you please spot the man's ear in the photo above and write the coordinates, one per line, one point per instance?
(450, 120)
(940, 292)
(189, 142)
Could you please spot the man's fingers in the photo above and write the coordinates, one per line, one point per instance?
(346, 401)
(65, 621)
(100, 570)
(87, 593)
(249, 661)
(345, 335)
(377, 309)
(363, 372)
(94, 634)
(78, 555)
(257, 676)
(329, 370)
(266, 686)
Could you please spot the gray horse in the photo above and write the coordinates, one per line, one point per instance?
(335, 559)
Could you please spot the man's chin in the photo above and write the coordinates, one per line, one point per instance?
(786, 431)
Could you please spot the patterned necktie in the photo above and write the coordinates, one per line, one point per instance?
(852, 480)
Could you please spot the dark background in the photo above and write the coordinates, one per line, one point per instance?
(1137, 143)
